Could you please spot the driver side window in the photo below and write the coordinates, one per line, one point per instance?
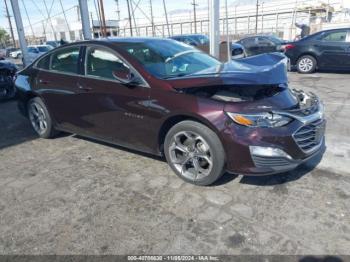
(103, 63)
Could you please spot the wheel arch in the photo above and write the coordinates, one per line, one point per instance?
(175, 119)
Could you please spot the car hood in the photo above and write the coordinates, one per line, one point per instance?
(265, 69)
(7, 65)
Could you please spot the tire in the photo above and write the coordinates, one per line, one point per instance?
(306, 64)
(40, 118)
(195, 153)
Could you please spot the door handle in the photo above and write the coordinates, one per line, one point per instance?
(44, 82)
(84, 88)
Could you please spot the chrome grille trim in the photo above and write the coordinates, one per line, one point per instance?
(305, 136)
(261, 161)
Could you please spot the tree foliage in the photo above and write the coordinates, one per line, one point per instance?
(4, 36)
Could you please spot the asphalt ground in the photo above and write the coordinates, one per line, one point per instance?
(70, 195)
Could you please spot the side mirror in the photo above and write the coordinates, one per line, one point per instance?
(125, 76)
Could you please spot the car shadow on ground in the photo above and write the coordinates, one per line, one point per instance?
(14, 128)
(269, 180)
(129, 150)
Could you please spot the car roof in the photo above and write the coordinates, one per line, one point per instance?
(189, 35)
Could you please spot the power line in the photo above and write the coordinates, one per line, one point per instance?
(48, 15)
(30, 24)
(64, 15)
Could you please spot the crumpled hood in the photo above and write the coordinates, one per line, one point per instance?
(7, 65)
(265, 69)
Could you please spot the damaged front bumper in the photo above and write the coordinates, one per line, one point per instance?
(265, 151)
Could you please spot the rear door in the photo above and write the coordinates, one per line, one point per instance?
(333, 48)
(57, 82)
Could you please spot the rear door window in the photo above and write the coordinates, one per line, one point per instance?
(66, 60)
(339, 36)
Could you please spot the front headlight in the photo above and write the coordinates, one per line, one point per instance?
(260, 120)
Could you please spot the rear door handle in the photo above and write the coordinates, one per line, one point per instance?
(85, 88)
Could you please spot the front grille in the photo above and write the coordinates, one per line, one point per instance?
(310, 136)
(263, 161)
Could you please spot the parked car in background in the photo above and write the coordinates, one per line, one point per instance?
(10, 50)
(192, 39)
(163, 97)
(53, 43)
(260, 44)
(202, 42)
(7, 76)
(34, 51)
(329, 49)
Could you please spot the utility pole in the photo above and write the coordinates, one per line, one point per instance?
(10, 24)
(194, 15)
(228, 43)
(214, 27)
(20, 31)
(166, 17)
(118, 11)
(103, 18)
(129, 13)
(152, 18)
(97, 9)
(85, 21)
(256, 16)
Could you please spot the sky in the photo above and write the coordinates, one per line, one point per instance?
(36, 9)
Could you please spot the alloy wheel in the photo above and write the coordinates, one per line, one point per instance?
(191, 155)
(306, 64)
(37, 118)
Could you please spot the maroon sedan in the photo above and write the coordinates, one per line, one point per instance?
(164, 97)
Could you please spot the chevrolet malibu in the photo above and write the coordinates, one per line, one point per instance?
(167, 98)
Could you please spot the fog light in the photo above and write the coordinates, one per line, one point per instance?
(268, 152)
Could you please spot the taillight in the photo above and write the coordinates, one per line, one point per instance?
(288, 46)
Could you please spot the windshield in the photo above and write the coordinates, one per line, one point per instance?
(201, 39)
(44, 48)
(275, 39)
(168, 58)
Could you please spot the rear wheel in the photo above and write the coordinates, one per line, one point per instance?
(40, 118)
(306, 64)
(195, 153)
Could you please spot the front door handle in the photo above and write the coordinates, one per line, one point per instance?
(85, 88)
(44, 82)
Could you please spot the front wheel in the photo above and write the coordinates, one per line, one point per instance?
(306, 64)
(195, 153)
(40, 118)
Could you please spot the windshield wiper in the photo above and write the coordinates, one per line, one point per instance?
(181, 54)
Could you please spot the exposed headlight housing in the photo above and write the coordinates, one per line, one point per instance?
(260, 120)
